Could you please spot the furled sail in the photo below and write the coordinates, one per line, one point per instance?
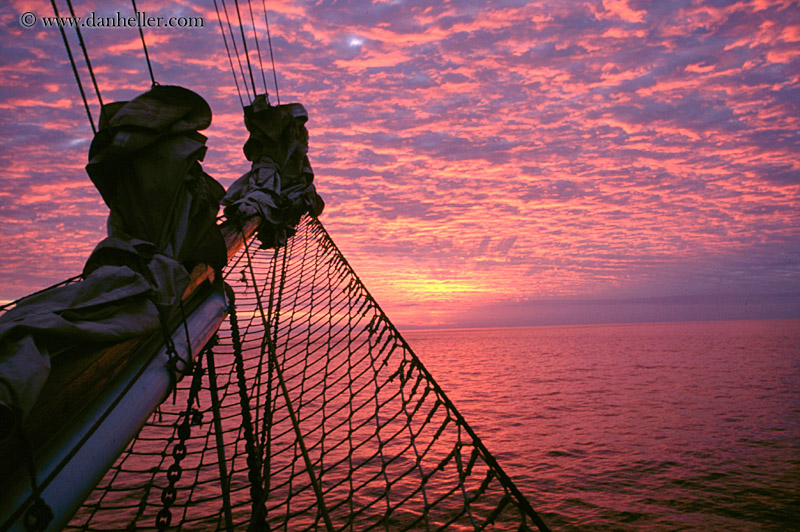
(144, 160)
(279, 187)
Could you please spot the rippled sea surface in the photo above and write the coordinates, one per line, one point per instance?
(675, 426)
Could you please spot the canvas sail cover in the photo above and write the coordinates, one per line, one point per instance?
(144, 160)
(280, 185)
(145, 163)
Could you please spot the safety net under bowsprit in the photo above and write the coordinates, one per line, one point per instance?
(308, 412)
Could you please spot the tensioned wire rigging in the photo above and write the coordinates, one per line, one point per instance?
(75, 67)
(144, 46)
(312, 411)
(233, 42)
(148, 61)
(88, 61)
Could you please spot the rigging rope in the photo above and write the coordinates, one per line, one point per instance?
(144, 45)
(268, 336)
(259, 511)
(74, 68)
(221, 459)
(227, 49)
(258, 48)
(85, 54)
(269, 40)
(236, 50)
(246, 52)
(244, 45)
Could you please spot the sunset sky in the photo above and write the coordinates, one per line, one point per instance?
(484, 163)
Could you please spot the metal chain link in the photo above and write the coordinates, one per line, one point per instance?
(191, 416)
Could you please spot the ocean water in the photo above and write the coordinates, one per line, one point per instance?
(671, 426)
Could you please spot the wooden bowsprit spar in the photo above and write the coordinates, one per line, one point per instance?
(95, 402)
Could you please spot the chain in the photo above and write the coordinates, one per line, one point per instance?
(191, 416)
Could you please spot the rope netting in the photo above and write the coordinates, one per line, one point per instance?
(309, 413)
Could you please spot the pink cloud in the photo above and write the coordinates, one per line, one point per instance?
(621, 9)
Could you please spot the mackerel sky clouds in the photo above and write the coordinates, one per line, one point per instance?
(483, 163)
